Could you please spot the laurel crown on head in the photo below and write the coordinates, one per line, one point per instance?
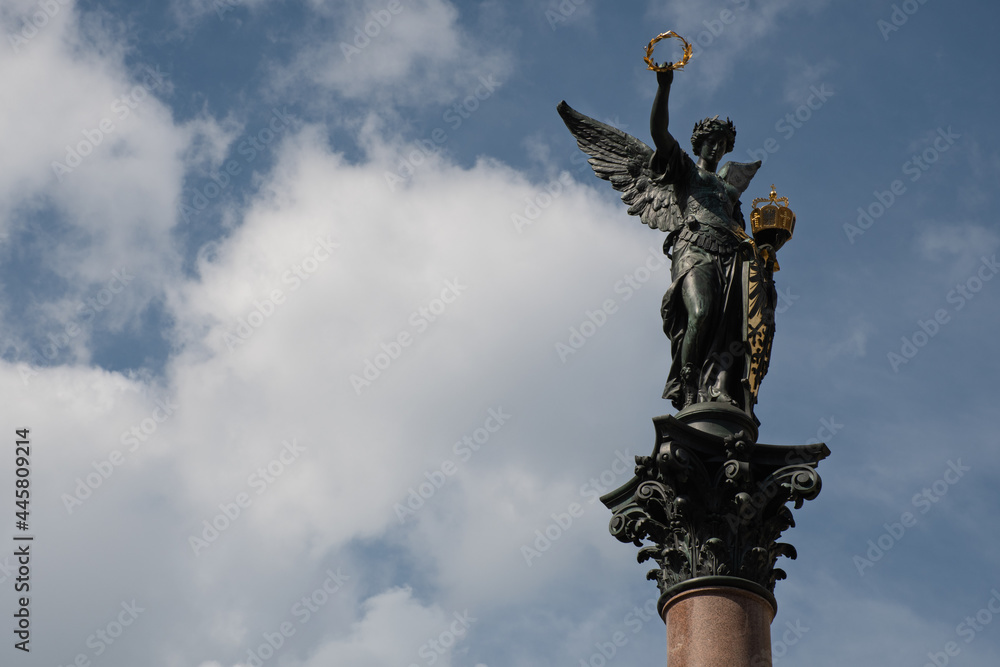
(704, 128)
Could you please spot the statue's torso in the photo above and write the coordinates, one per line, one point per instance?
(711, 200)
(708, 212)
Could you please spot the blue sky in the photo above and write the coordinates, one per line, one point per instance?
(282, 303)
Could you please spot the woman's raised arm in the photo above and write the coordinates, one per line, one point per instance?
(659, 118)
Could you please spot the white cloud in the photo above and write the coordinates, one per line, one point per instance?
(373, 258)
(94, 152)
(963, 245)
(397, 630)
(450, 231)
(852, 343)
(804, 78)
(415, 55)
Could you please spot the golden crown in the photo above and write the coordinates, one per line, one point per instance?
(773, 223)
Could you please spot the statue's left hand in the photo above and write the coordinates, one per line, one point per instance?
(768, 253)
(747, 249)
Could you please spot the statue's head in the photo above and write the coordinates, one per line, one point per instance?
(705, 128)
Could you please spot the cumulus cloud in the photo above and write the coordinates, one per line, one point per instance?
(330, 266)
(95, 157)
(396, 630)
(408, 54)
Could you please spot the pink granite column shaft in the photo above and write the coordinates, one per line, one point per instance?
(718, 626)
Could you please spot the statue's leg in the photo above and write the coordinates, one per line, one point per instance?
(728, 368)
(698, 292)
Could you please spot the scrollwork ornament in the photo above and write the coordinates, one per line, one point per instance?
(714, 506)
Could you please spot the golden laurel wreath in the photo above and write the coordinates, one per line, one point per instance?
(663, 68)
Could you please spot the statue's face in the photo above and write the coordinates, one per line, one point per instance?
(714, 147)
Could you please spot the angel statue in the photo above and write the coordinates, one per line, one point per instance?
(718, 310)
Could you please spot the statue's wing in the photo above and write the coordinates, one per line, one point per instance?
(623, 160)
(739, 174)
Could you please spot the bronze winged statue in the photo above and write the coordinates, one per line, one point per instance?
(718, 310)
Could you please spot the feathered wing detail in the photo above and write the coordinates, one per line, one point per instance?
(623, 160)
(739, 175)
